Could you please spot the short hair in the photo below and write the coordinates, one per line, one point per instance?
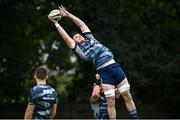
(41, 72)
(74, 33)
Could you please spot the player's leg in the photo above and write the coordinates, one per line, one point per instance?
(124, 89)
(109, 92)
(108, 85)
(123, 86)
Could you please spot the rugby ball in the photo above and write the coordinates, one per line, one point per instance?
(55, 14)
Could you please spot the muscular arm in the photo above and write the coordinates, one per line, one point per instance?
(53, 111)
(76, 20)
(97, 89)
(29, 112)
(79, 23)
(69, 41)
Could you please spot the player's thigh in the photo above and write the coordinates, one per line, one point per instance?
(123, 86)
(107, 77)
(118, 75)
(109, 90)
(124, 81)
(107, 87)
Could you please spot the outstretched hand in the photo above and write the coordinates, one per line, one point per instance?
(52, 20)
(63, 11)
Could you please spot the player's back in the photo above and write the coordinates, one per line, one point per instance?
(43, 97)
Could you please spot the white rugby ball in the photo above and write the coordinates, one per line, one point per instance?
(55, 14)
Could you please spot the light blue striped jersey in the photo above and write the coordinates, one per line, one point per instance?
(93, 51)
(43, 97)
(100, 108)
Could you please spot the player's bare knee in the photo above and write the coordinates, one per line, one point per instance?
(111, 101)
(127, 96)
(110, 96)
(125, 91)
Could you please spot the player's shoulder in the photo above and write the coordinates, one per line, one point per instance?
(51, 88)
(38, 87)
(34, 89)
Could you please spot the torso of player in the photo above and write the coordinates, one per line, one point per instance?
(44, 97)
(100, 108)
(94, 52)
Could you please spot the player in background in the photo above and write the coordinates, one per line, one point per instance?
(42, 102)
(98, 100)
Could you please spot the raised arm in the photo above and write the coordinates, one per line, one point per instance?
(76, 20)
(69, 41)
(96, 89)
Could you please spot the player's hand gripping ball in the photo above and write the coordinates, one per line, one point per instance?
(55, 14)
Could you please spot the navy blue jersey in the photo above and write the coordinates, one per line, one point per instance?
(43, 97)
(100, 108)
(93, 51)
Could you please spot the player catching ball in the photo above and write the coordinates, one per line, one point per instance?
(91, 50)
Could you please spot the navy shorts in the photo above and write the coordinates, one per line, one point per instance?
(112, 74)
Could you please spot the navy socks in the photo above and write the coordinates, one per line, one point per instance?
(134, 114)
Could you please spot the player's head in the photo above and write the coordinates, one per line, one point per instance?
(41, 73)
(78, 38)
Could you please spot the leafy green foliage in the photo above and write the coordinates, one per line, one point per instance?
(143, 35)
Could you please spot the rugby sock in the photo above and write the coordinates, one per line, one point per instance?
(134, 114)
